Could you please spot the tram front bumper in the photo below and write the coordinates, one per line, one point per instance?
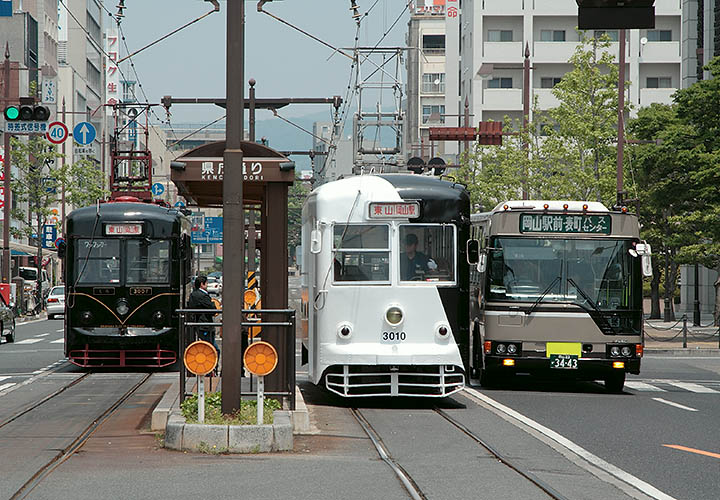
(587, 368)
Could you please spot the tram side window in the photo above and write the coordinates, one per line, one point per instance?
(427, 252)
(97, 261)
(148, 261)
(361, 252)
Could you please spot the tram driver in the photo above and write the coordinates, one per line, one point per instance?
(413, 263)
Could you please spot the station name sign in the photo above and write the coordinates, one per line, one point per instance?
(213, 171)
(565, 223)
(404, 210)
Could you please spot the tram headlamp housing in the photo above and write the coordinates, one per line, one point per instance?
(344, 331)
(158, 318)
(442, 331)
(394, 315)
(122, 307)
(86, 317)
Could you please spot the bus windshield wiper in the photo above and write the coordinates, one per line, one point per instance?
(542, 296)
(592, 303)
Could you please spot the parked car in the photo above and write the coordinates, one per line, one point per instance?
(55, 302)
(214, 286)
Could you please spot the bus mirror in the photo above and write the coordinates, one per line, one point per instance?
(646, 262)
(61, 248)
(315, 241)
(473, 251)
(482, 262)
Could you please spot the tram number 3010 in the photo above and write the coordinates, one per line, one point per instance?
(393, 336)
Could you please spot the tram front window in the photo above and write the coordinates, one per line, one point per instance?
(427, 252)
(361, 252)
(97, 261)
(591, 273)
(148, 261)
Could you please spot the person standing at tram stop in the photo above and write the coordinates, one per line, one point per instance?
(200, 299)
(414, 264)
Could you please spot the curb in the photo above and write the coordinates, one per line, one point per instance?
(180, 435)
(161, 412)
(680, 352)
(28, 319)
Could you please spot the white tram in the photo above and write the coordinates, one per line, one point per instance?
(385, 285)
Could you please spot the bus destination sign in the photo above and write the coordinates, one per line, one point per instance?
(394, 210)
(565, 223)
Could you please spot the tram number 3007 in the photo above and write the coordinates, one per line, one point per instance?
(393, 336)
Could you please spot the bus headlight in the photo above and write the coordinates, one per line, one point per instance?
(626, 351)
(122, 307)
(344, 331)
(500, 348)
(394, 315)
(511, 349)
(615, 351)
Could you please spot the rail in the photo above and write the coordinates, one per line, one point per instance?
(188, 332)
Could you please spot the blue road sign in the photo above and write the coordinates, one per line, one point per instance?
(179, 204)
(213, 232)
(84, 133)
(157, 189)
(49, 235)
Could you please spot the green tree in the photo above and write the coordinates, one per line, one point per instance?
(84, 183)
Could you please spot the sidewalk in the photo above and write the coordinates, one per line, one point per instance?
(666, 338)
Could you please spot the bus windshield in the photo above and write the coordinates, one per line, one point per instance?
(595, 274)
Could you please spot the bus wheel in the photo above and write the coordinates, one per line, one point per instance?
(614, 382)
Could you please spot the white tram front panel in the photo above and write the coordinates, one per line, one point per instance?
(371, 331)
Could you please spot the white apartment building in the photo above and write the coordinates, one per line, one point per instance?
(496, 32)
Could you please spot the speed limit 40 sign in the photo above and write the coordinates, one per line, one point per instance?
(57, 132)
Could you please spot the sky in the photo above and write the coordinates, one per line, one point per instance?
(284, 62)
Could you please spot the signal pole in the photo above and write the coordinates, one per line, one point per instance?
(234, 218)
(6, 273)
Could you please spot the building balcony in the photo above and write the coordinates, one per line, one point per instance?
(660, 52)
(506, 7)
(649, 96)
(503, 52)
(558, 52)
(502, 99)
(663, 7)
(546, 99)
(555, 8)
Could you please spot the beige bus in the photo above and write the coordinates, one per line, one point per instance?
(558, 290)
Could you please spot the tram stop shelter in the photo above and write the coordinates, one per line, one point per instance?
(267, 174)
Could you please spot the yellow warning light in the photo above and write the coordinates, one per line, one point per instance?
(618, 364)
(200, 357)
(508, 362)
(260, 358)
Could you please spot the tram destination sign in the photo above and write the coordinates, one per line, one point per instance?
(394, 210)
(565, 223)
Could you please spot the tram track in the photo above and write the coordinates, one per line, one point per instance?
(412, 487)
(65, 453)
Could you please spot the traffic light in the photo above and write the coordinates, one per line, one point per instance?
(27, 113)
(616, 14)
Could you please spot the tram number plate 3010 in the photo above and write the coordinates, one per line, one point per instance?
(564, 361)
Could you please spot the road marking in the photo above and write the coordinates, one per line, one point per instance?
(694, 387)
(42, 335)
(6, 386)
(693, 450)
(60, 331)
(31, 322)
(642, 386)
(4, 378)
(626, 477)
(676, 405)
(29, 341)
(58, 341)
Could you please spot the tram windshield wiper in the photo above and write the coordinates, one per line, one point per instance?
(596, 308)
(542, 296)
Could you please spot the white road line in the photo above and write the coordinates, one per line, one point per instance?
(4, 378)
(676, 405)
(626, 477)
(60, 331)
(6, 386)
(642, 386)
(38, 371)
(58, 341)
(694, 387)
(42, 335)
(29, 341)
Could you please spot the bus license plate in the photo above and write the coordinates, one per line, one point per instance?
(564, 361)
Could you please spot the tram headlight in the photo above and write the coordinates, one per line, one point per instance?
(344, 331)
(158, 318)
(442, 331)
(394, 315)
(122, 307)
(626, 351)
(86, 317)
(615, 351)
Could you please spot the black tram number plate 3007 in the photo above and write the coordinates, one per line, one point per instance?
(141, 290)
(564, 361)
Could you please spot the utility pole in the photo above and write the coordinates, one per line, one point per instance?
(6, 273)
(234, 218)
(62, 164)
(621, 119)
(526, 114)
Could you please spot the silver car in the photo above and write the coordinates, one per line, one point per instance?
(55, 302)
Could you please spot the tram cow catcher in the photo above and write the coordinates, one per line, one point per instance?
(558, 289)
(385, 285)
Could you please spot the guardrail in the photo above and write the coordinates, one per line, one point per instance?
(188, 332)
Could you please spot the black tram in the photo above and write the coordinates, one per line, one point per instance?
(127, 267)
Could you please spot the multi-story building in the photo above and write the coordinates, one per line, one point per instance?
(329, 167)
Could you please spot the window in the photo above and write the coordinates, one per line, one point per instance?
(97, 261)
(659, 35)
(552, 35)
(429, 110)
(148, 261)
(362, 252)
(500, 36)
(427, 252)
(500, 83)
(549, 82)
(613, 34)
(433, 83)
(433, 44)
(659, 82)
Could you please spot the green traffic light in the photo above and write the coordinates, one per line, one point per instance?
(12, 113)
